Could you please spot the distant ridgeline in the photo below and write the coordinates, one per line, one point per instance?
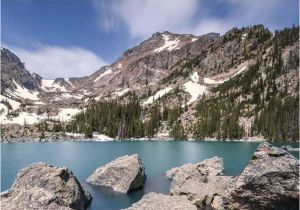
(262, 94)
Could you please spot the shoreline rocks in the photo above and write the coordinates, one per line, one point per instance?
(158, 201)
(123, 175)
(200, 182)
(42, 186)
(269, 181)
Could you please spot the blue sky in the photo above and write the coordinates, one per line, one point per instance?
(64, 38)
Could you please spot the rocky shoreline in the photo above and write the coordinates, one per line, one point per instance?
(269, 181)
(63, 137)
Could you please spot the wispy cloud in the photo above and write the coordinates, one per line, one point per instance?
(144, 17)
(55, 61)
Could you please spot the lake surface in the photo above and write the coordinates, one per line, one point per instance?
(158, 156)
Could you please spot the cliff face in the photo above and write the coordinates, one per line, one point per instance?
(208, 86)
(13, 71)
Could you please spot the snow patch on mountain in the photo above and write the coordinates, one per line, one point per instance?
(119, 66)
(14, 104)
(68, 95)
(3, 109)
(68, 81)
(121, 92)
(66, 114)
(23, 118)
(195, 77)
(211, 80)
(194, 88)
(157, 95)
(49, 85)
(244, 36)
(108, 71)
(168, 45)
(22, 92)
(101, 137)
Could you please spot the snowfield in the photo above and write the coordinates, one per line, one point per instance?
(244, 36)
(96, 136)
(168, 45)
(68, 95)
(101, 137)
(68, 81)
(157, 95)
(119, 66)
(49, 85)
(194, 88)
(107, 72)
(195, 77)
(22, 92)
(66, 114)
(23, 118)
(13, 103)
(211, 81)
(32, 118)
(121, 92)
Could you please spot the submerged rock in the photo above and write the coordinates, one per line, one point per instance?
(122, 175)
(200, 182)
(270, 181)
(158, 201)
(42, 186)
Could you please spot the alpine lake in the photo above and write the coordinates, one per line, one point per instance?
(82, 158)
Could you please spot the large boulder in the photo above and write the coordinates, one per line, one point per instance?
(270, 181)
(200, 182)
(158, 201)
(123, 175)
(42, 186)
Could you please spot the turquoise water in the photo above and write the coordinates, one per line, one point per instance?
(84, 157)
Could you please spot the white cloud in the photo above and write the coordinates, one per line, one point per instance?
(144, 17)
(55, 61)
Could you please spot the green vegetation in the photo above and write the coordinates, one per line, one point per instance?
(275, 112)
(259, 97)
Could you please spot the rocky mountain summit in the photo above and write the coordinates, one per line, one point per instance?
(239, 78)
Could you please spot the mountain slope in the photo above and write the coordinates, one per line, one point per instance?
(184, 86)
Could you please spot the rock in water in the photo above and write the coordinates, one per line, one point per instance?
(42, 186)
(270, 181)
(200, 182)
(123, 175)
(158, 201)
